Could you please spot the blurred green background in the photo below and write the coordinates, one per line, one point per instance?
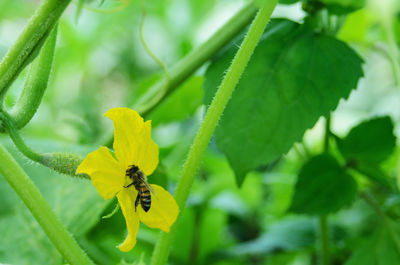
(100, 63)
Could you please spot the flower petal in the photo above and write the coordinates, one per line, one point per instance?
(148, 156)
(132, 140)
(106, 173)
(127, 202)
(127, 134)
(163, 211)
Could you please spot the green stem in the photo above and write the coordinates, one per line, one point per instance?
(114, 211)
(191, 62)
(324, 240)
(41, 210)
(151, 100)
(196, 58)
(323, 219)
(214, 112)
(395, 57)
(393, 49)
(35, 85)
(195, 244)
(144, 43)
(8, 123)
(30, 41)
(386, 221)
(374, 205)
(327, 133)
(64, 163)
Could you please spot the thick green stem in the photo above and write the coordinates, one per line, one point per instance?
(35, 85)
(41, 210)
(324, 240)
(214, 112)
(323, 219)
(191, 62)
(30, 41)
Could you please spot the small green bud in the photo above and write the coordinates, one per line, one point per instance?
(64, 163)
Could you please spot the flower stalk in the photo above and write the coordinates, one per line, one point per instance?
(41, 210)
(8, 123)
(64, 163)
(214, 112)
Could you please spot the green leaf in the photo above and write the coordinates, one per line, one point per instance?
(322, 187)
(374, 173)
(181, 103)
(184, 236)
(287, 234)
(294, 77)
(382, 248)
(159, 176)
(364, 255)
(370, 141)
(388, 248)
(212, 222)
(288, 2)
(341, 7)
(345, 3)
(356, 27)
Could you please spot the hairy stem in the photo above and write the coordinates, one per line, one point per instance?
(64, 163)
(214, 112)
(8, 123)
(30, 41)
(35, 85)
(41, 210)
(191, 62)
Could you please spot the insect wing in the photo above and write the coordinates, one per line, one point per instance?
(147, 185)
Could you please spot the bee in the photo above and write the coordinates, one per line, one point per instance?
(139, 181)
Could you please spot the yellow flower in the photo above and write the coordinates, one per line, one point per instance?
(133, 146)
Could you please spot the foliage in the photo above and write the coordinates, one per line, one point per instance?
(309, 134)
(323, 187)
(297, 88)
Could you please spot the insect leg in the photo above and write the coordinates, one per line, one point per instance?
(129, 185)
(137, 199)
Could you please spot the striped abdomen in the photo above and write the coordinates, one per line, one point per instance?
(143, 196)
